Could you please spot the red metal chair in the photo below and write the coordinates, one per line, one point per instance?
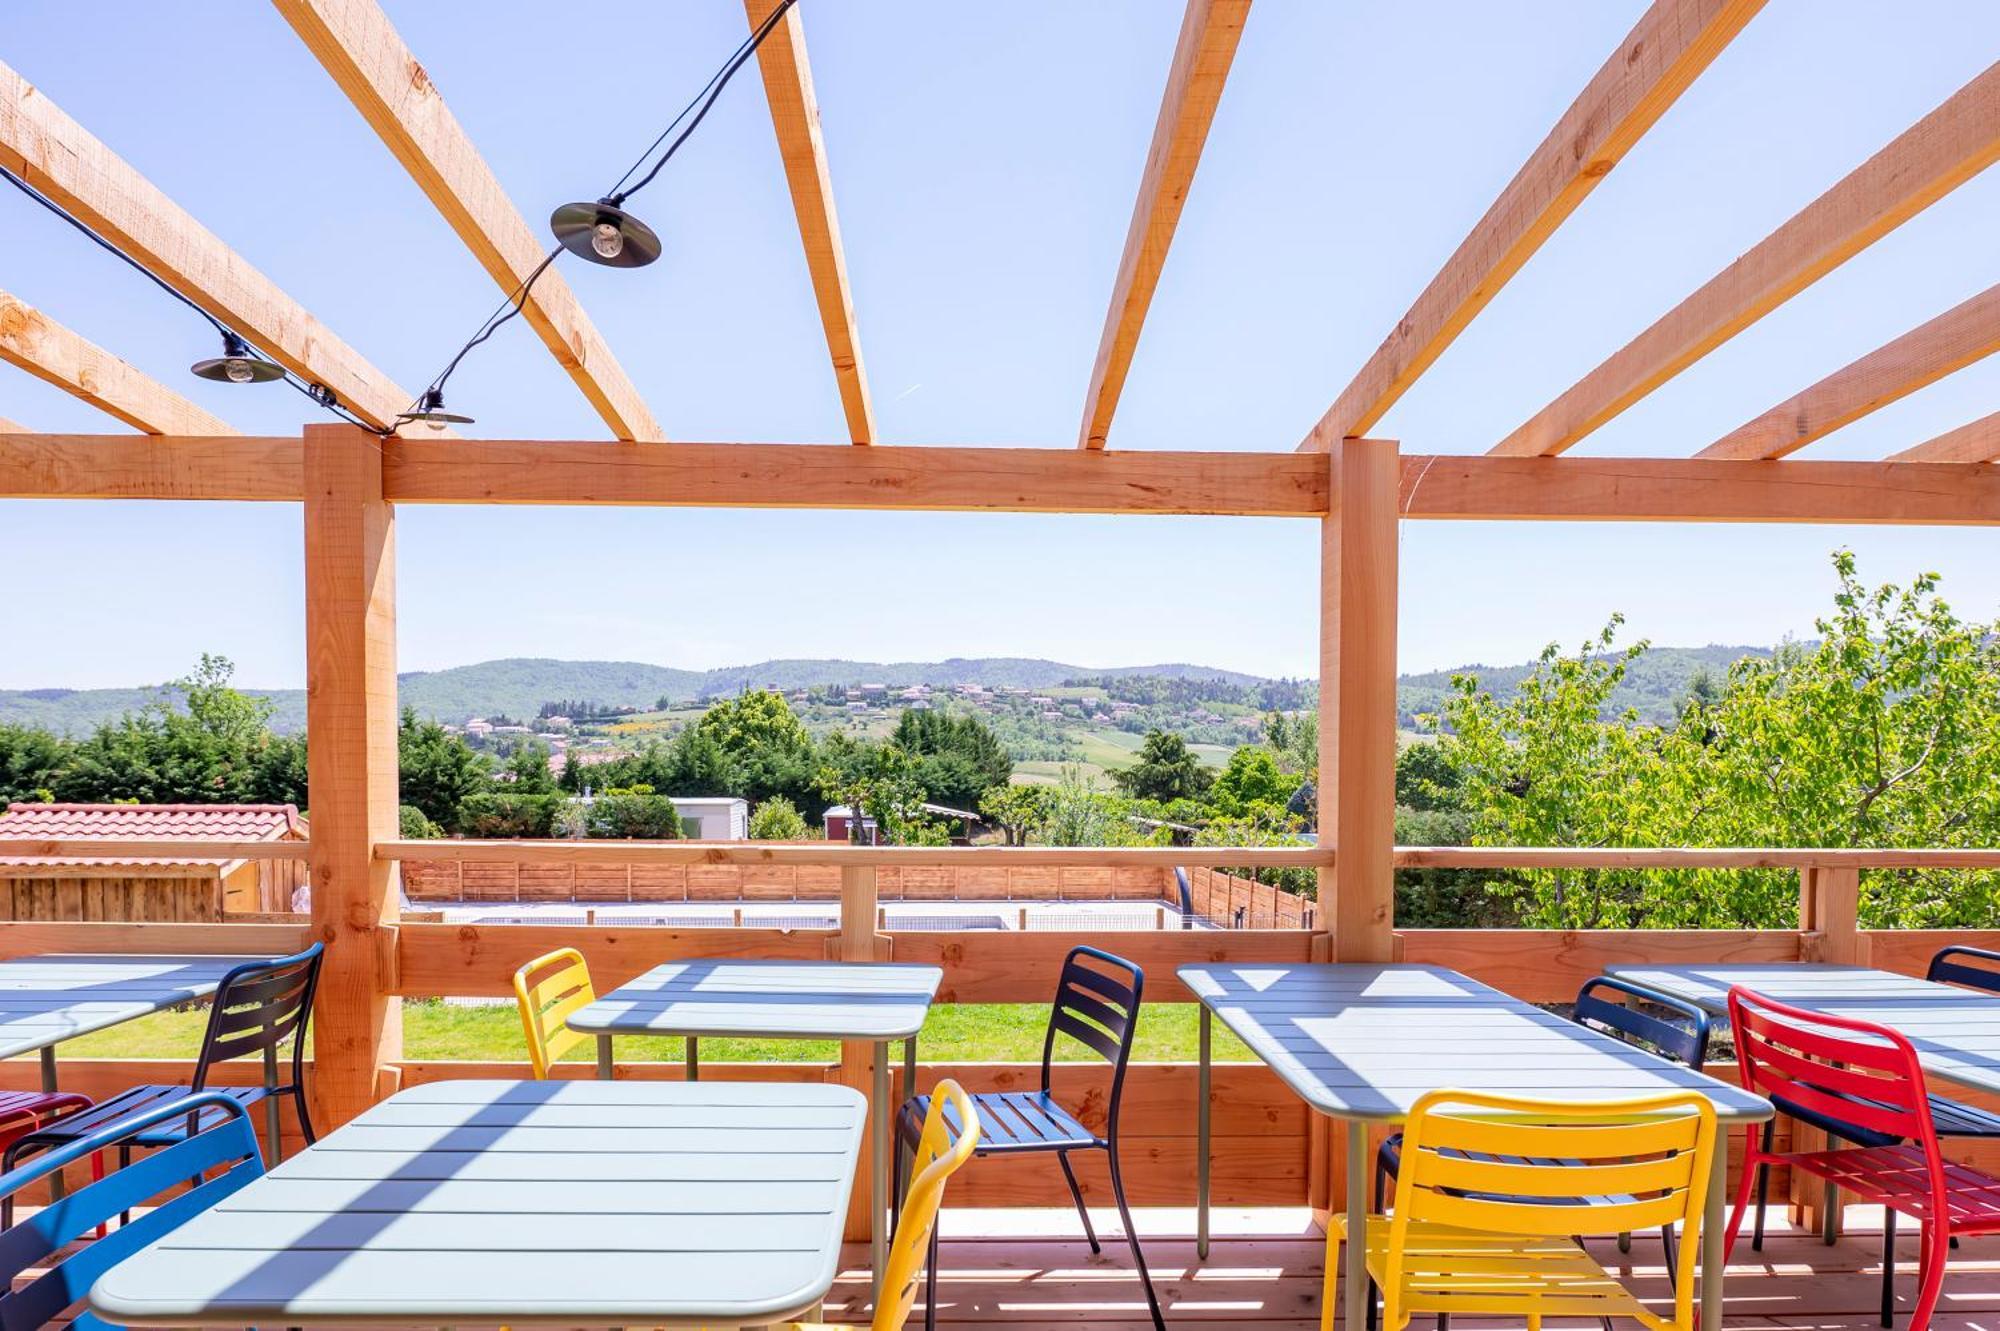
(1833, 1068)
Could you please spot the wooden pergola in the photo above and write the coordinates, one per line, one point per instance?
(350, 483)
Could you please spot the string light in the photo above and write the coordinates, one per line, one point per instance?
(238, 364)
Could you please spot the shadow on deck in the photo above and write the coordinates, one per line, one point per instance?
(1031, 1269)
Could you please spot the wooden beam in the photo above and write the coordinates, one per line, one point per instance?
(788, 88)
(8, 426)
(1202, 56)
(1698, 490)
(820, 476)
(43, 146)
(358, 45)
(764, 854)
(1976, 441)
(1945, 149)
(350, 565)
(56, 355)
(125, 466)
(1357, 689)
(1953, 340)
(1669, 47)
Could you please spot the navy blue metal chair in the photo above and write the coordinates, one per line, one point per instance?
(214, 1162)
(1097, 1005)
(1661, 1024)
(258, 1006)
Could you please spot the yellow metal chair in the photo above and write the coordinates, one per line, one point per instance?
(549, 990)
(1481, 1235)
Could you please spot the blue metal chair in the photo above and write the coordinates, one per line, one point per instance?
(1097, 1005)
(229, 1146)
(1661, 1024)
(258, 1006)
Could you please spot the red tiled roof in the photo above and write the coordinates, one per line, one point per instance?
(135, 822)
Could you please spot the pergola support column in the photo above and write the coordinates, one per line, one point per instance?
(350, 575)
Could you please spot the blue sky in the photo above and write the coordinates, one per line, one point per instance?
(984, 159)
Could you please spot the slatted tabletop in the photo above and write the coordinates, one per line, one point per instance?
(1956, 1031)
(776, 999)
(578, 1202)
(46, 1000)
(1364, 1042)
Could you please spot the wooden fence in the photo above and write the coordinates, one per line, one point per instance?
(1243, 903)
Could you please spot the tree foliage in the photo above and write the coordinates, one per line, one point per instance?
(1167, 770)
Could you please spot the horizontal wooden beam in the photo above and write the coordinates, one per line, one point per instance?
(1975, 441)
(788, 88)
(49, 150)
(357, 44)
(1595, 489)
(1203, 53)
(56, 355)
(1667, 49)
(106, 848)
(1549, 965)
(1967, 332)
(29, 938)
(1676, 857)
(839, 853)
(1018, 480)
(124, 466)
(1954, 143)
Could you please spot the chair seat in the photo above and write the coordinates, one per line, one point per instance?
(1896, 1176)
(133, 1100)
(1450, 1270)
(28, 1109)
(1008, 1121)
(1955, 1118)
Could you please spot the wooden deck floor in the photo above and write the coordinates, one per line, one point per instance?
(1031, 1269)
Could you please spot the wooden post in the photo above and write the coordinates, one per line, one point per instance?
(350, 575)
(857, 1057)
(1357, 730)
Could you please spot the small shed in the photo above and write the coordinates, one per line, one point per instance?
(714, 817)
(44, 887)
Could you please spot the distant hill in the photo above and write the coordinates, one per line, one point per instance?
(519, 686)
(1652, 683)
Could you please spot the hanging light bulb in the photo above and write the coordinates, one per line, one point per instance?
(238, 364)
(430, 410)
(605, 233)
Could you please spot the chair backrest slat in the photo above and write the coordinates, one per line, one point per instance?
(1950, 966)
(1097, 1004)
(1833, 1071)
(1669, 1026)
(548, 991)
(257, 1007)
(229, 1146)
(950, 1135)
(1608, 1168)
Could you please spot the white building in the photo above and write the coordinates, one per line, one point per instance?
(714, 817)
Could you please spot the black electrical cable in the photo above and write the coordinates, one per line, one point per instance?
(319, 393)
(699, 106)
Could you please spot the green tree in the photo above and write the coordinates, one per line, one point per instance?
(1167, 770)
(203, 742)
(1294, 738)
(957, 757)
(1250, 779)
(30, 762)
(777, 819)
(1079, 814)
(528, 766)
(1017, 810)
(437, 770)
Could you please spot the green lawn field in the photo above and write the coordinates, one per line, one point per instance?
(437, 1031)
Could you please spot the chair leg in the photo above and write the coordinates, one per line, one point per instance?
(1076, 1195)
(1669, 1245)
(1763, 1192)
(1888, 1266)
(1745, 1190)
(305, 1115)
(1931, 1282)
(1132, 1237)
(1329, 1281)
(930, 1283)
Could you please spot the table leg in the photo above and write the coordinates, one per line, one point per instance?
(56, 1189)
(1712, 1225)
(604, 1058)
(878, 1234)
(1355, 1264)
(909, 1067)
(693, 1059)
(1202, 1129)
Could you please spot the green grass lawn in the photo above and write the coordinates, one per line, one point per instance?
(437, 1031)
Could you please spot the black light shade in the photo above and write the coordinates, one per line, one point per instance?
(604, 233)
(430, 410)
(238, 364)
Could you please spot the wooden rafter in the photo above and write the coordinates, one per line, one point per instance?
(1209, 33)
(1976, 441)
(81, 368)
(356, 44)
(9, 426)
(788, 87)
(45, 147)
(1967, 332)
(1946, 148)
(1669, 47)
